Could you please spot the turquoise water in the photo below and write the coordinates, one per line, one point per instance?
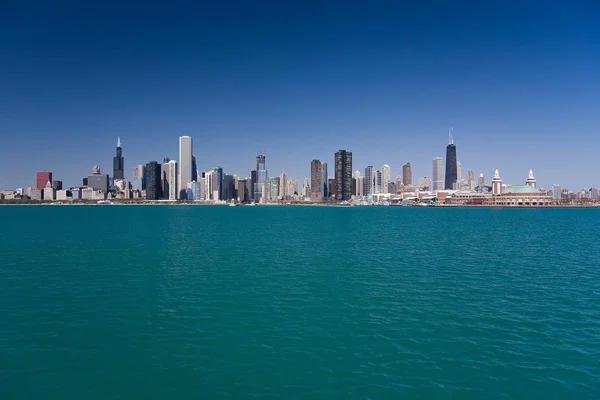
(120, 302)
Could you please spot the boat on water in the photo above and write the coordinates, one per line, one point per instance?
(346, 203)
(232, 203)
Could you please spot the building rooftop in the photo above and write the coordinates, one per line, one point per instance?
(522, 189)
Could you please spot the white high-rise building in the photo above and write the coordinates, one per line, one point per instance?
(292, 187)
(458, 171)
(556, 192)
(386, 176)
(170, 172)
(283, 186)
(208, 186)
(437, 181)
(185, 163)
(356, 174)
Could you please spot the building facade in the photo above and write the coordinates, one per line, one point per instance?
(343, 175)
(451, 166)
(437, 176)
(407, 174)
(118, 163)
(185, 164)
(386, 177)
(42, 178)
(153, 184)
(316, 187)
(369, 184)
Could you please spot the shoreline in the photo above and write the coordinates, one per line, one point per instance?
(166, 203)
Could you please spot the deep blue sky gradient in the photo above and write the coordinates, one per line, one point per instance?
(519, 81)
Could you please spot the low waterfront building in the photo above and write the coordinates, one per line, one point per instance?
(524, 196)
(87, 194)
(36, 194)
(62, 195)
(76, 193)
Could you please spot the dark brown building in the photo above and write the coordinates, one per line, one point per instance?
(343, 175)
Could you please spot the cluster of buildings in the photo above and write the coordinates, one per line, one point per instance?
(180, 180)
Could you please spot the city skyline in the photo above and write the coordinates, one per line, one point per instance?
(385, 82)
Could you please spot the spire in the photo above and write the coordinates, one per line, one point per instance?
(451, 135)
(530, 173)
(496, 174)
(118, 142)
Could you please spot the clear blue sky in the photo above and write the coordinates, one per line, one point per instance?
(519, 81)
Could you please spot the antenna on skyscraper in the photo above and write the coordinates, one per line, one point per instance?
(451, 135)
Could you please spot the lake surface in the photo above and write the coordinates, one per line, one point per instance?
(206, 302)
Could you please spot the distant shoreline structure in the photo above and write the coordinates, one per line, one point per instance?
(301, 204)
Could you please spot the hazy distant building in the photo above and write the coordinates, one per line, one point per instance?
(272, 188)
(57, 185)
(386, 177)
(425, 183)
(481, 181)
(391, 187)
(437, 174)
(194, 169)
(316, 187)
(118, 163)
(153, 184)
(138, 172)
(242, 192)
(36, 194)
(407, 174)
(253, 177)
(451, 167)
(261, 177)
(331, 186)
(185, 164)
(283, 186)
(324, 183)
(556, 192)
(378, 182)
(42, 178)
(369, 183)
(343, 175)
(98, 181)
(227, 188)
(458, 171)
(193, 191)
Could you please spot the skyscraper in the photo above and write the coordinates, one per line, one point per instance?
(556, 192)
(378, 188)
(458, 171)
(324, 181)
(481, 181)
(252, 184)
(386, 177)
(343, 175)
(451, 173)
(369, 181)
(118, 162)
(283, 186)
(316, 185)
(438, 173)
(170, 188)
(261, 177)
(185, 164)
(42, 179)
(139, 178)
(153, 189)
(407, 174)
(194, 170)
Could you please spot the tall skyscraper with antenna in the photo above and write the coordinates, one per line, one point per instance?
(451, 167)
(118, 162)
